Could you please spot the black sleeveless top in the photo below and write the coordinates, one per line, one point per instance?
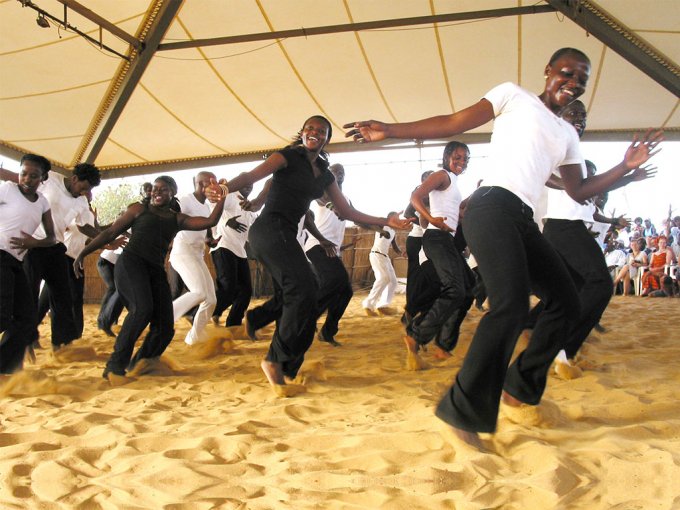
(294, 187)
(151, 235)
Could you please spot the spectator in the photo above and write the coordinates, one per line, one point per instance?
(650, 229)
(662, 257)
(636, 260)
(615, 258)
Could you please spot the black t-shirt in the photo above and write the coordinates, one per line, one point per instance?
(152, 234)
(294, 187)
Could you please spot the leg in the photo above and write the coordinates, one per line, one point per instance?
(381, 280)
(243, 292)
(77, 289)
(224, 275)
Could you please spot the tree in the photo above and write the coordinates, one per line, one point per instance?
(111, 201)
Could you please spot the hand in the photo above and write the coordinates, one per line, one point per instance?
(213, 192)
(622, 222)
(640, 151)
(440, 223)
(236, 225)
(78, 267)
(366, 131)
(398, 223)
(212, 242)
(23, 243)
(330, 248)
(642, 172)
(119, 242)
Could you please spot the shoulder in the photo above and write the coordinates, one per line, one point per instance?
(504, 92)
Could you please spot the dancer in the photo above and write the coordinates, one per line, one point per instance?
(438, 243)
(68, 204)
(232, 272)
(187, 257)
(381, 294)
(22, 209)
(111, 305)
(140, 276)
(300, 174)
(529, 143)
(335, 287)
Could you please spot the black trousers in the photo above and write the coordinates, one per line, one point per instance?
(17, 314)
(145, 292)
(586, 264)
(413, 246)
(77, 288)
(335, 288)
(274, 243)
(112, 305)
(52, 265)
(233, 285)
(514, 258)
(448, 263)
(267, 312)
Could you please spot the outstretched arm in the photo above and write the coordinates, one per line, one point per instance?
(264, 169)
(441, 126)
(638, 153)
(347, 211)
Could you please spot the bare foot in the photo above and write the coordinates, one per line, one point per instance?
(118, 380)
(273, 372)
(440, 353)
(413, 361)
(142, 367)
(370, 312)
(510, 400)
(567, 370)
(470, 438)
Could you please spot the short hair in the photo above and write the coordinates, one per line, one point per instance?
(172, 184)
(568, 51)
(87, 172)
(42, 161)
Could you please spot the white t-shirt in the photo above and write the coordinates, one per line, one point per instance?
(562, 207)
(17, 215)
(528, 143)
(192, 240)
(65, 208)
(328, 224)
(446, 203)
(74, 239)
(616, 258)
(382, 244)
(601, 229)
(229, 238)
(111, 255)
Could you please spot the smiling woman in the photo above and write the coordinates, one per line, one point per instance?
(529, 143)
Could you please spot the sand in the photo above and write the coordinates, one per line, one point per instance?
(208, 431)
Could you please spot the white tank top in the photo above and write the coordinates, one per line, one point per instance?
(446, 203)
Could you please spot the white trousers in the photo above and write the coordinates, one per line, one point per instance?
(191, 267)
(385, 282)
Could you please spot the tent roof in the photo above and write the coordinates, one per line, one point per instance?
(175, 107)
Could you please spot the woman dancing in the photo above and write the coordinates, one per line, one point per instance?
(140, 275)
(528, 144)
(300, 174)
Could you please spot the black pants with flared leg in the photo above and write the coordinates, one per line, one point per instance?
(585, 261)
(273, 241)
(111, 305)
(513, 258)
(233, 285)
(51, 264)
(17, 314)
(335, 289)
(145, 292)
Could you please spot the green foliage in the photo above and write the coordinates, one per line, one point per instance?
(112, 201)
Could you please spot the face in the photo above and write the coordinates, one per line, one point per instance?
(458, 161)
(314, 134)
(161, 194)
(30, 177)
(640, 245)
(146, 189)
(80, 188)
(575, 114)
(662, 243)
(202, 181)
(648, 223)
(566, 80)
(339, 174)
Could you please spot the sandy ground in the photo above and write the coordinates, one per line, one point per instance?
(210, 433)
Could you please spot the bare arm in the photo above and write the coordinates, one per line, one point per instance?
(441, 126)
(186, 222)
(437, 181)
(8, 175)
(257, 203)
(264, 169)
(347, 211)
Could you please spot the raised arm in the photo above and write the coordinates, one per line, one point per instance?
(264, 169)
(441, 126)
(201, 222)
(8, 175)
(638, 153)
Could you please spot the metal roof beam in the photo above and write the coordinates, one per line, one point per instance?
(102, 22)
(162, 21)
(595, 20)
(356, 27)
